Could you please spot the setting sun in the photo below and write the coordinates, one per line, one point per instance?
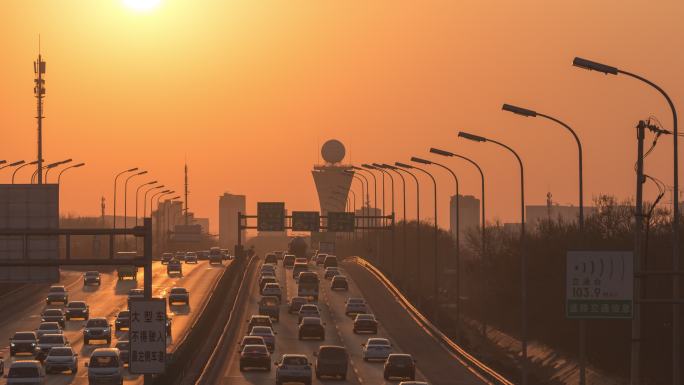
(142, 5)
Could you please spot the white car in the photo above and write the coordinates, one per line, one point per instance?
(267, 334)
(60, 359)
(293, 368)
(105, 367)
(26, 372)
(48, 328)
(376, 349)
(273, 289)
(355, 306)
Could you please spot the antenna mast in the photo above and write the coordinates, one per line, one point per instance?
(39, 92)
(186, 193)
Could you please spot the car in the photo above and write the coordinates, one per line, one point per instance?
(124, 351)
(123, 320)
(48, 328)
(288, 260)
(268, 268)
(271, 259)
(47, 342)
(331, 361)
(57, 293)
(136, 294)
(320, 259)
(255, 356)
(23, 342)
(179, 294)
(293, 368)
(298, 268)
(331, 272)
(269, 306)
(355, 306)
(264, 280)
(105, 367)
(60, 359)
(215, 256)
(53, 315)
(166, 258)
(91, 277)
(273, 289)
(258, 320)
(97, 329)
(77, 309)
(191, 257)
(308, 310)
(301, 260)
(251, 340)
(296, 303)
(267, 273)
(174, 268)
(365, 323)
(376, 349)
(179, 256)
(339, 282)
(267, 334)
(203, 255)
(26, 372)
(311, 327)
(399, 366)
(330, 261)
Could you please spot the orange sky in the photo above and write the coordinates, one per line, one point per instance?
(248, 90)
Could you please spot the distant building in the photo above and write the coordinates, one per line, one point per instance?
(203, 222)
(366, 211)
(568, 214)
(331, 180)
(229, 206)
(469, 216)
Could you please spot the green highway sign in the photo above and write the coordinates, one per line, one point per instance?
(341, 221)
(271, 216)
(599, 284)
(306, 221)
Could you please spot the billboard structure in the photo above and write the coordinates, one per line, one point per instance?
(29, 207)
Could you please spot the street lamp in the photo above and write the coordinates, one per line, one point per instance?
(403, 188)
(59, 176)
(159, 216)
(115, 179)
(145, 199)
(364, 192)
(523, 257)
(137, 191)
(436, 240)
(50, 168)
(17, 163)
(676, 323)
(369, 167)
(404, 167)
(22, 166)
(166, 215)
(126, 196)
(379, 236)
(375, 185)
(379, 167)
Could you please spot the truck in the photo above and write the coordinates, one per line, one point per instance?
(215, 256)
(298, 247)
(307, 286)
(127, 271)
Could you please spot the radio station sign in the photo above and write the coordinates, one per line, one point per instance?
(599, 284)
(147, 336)
(270, 216)
(306, 221)
(341, 221)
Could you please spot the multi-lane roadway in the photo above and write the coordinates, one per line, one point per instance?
(105, 301)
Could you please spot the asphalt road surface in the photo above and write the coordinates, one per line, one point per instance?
(106, 301)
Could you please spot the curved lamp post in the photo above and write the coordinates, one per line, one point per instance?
(59, 176)
(17, 163)
(115, 180)
(137, 191)
(403, 188)
(404, 167)
(126, 195)
(22, 166)
(145, 199)
(50, 168)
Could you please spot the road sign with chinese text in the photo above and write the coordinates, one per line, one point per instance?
(147, 336)
(599, 284)
(341, 221)
(306, 221)
(270, 216)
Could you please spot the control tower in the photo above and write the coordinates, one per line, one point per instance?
(331, 182)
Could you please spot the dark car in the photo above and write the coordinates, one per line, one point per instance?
(400, 366)
(269, 306)
(179, 295)
(331, 361)
(271, 259)
(191, 257)
(53, 315)
(288, 260)
(264, 280)
(124, 350)
(77, 309)
(23, 342)
(320, 259)
(330, 261)
(365, 323)
(47, 342)
(311, 327)
(91, 278)
(57, 294)
(255, 356)
(123, 320)
(339, 282)
(296, 303)
(174, 267)
(166, 258)
(97, 329)
(258, 320)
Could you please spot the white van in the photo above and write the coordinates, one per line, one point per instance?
(105, 367)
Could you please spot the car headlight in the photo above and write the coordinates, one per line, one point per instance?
(86, 330)
(33, 344)
(12, 344)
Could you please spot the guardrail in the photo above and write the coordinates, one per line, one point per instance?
(471, 363)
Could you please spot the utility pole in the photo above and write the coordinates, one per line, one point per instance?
(39, 92)
(102, 209)
(635, 372)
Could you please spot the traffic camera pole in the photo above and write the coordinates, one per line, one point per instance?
(635, 373)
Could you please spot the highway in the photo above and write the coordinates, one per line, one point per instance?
(405, 335)
(106, 301)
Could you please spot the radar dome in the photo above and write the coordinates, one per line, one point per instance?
(333, 151)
